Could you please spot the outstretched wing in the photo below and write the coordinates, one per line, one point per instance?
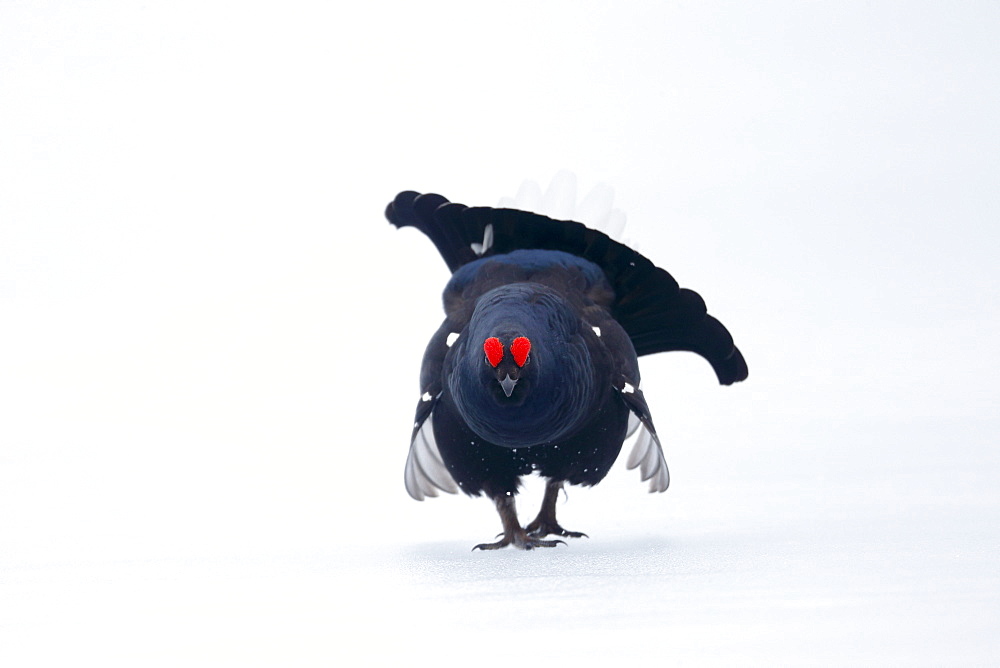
(425, 471)
(647, 453)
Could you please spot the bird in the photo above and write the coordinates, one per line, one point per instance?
(534, 369)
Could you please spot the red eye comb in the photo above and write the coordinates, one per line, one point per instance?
(520, 348)
(494, 350)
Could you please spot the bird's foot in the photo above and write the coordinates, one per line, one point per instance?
(546, 527)
(521, 540)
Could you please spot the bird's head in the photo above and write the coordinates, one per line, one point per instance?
(520, 374)
(507, 361)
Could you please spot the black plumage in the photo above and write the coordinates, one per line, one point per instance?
(535, 368)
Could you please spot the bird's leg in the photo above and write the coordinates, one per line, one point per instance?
(545, 523)
(513, 534)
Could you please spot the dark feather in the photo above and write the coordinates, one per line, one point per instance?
(589, 306)
(658, 315)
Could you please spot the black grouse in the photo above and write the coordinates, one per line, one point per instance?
(535, 368)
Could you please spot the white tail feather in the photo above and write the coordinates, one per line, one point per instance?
(596, 209)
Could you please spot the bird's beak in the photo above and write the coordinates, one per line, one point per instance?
(508, 384)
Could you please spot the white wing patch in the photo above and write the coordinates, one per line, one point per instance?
(425, 471)
(647, 454)
(479, 249)
(633, 424)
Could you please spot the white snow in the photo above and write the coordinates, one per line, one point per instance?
(210, 338)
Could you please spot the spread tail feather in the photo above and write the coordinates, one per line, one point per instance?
(651, 307)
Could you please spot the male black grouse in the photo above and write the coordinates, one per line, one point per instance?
(535, 367)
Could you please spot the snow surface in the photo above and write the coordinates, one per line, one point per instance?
(211, 338)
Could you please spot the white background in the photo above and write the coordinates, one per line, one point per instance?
(210, 337)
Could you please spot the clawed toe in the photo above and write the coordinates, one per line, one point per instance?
(533, 542)
(563, 532)
(531, 536)
(538, 529)
(521, 541)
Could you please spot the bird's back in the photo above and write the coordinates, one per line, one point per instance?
(578, 281)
